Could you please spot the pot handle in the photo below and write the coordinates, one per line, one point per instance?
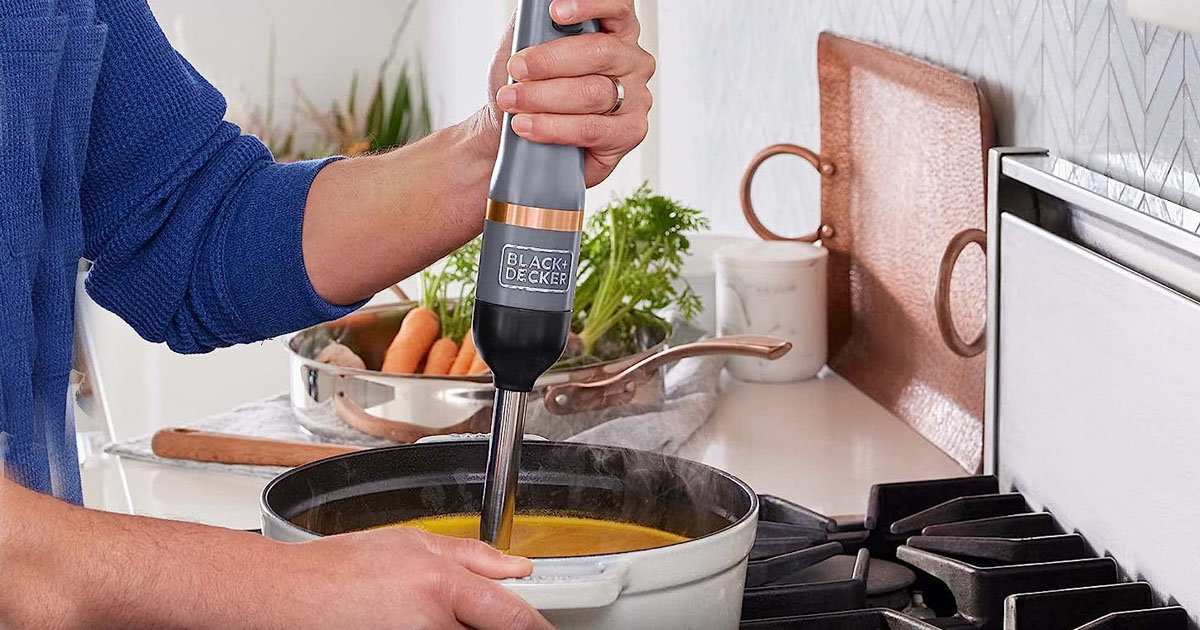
(565, 398)
(571, 585)
(353, 414)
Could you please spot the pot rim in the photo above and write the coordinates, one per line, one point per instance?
(750, 514)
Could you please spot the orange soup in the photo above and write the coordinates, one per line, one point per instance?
(552, 536)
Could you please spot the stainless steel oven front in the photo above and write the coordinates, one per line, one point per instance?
(1093, 393)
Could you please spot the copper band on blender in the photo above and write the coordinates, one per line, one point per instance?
(532, 217)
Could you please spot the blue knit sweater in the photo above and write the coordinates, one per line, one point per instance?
(113, 148)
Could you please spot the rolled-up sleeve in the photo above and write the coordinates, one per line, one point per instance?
(193, 229)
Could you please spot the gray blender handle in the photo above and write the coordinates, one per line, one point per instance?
(528, 173)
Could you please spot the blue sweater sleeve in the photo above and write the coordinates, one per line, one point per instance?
(193, 229)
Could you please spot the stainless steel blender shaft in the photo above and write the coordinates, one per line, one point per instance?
(523, 317)
(504, 463)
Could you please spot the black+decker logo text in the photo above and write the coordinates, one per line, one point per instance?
(535, 269)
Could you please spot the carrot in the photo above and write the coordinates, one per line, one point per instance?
(417, 333)
(466, 354)
(478, 366)
(441, 356)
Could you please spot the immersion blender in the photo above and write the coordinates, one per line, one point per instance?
(526, 282)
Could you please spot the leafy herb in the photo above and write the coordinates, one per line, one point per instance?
(630, 262)
(450, 291)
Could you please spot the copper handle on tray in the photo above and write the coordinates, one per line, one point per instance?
(224, 448)
(826, 169)
(945, 318)
(567, 398)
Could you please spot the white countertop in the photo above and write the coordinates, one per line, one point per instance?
(821, 443)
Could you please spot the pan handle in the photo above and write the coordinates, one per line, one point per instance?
(224, 448)
(399, 293)
(941, 305)
(571, 584)
(565, 398)
(825, 167)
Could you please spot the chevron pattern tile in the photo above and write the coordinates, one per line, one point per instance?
(1091, 88)
(1190, 160)
(1127, 102)
(1078, 77)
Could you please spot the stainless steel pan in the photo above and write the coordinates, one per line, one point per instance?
(405, 407)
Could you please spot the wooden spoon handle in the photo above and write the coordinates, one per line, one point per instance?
(223, 448)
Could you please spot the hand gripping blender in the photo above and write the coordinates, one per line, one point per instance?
(526, 282)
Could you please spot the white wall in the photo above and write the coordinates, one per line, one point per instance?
(319, 44)
(731, 83)
(461, 37)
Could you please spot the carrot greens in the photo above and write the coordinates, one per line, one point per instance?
(630, 261)
(450, 291)
(630, 265)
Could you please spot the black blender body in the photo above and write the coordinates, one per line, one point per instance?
(526, 282)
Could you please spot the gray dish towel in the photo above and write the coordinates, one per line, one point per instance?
(691, 388)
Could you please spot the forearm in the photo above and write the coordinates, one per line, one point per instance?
(69, 567)
(370, 222)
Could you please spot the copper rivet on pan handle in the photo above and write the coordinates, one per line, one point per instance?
(945, 318)
(825, 167)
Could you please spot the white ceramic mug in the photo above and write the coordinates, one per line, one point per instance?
(774, 288)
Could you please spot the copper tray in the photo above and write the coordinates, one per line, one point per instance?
(903, 163)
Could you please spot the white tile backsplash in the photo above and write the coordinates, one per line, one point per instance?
(1078, 77)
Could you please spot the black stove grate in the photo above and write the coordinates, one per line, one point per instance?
(983, 561)
(875, 619)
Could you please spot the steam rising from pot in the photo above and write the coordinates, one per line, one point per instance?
(393, 485)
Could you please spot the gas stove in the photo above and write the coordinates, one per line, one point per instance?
(1085, 518)
(950, 553)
